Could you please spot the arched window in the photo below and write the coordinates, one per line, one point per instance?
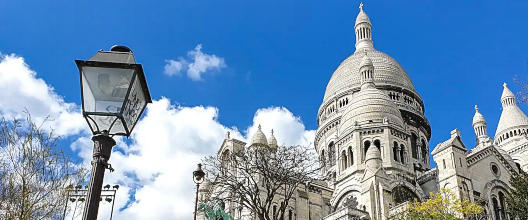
(331, 154)
(350, 156)
(401, 194)
(496, 208)
(414, 146)
(343, 160)
(323, 158)
(424, 151)
(465, 191)
(225, 159)
(502, 204)
(395, 151)
(402, 153)
(366, 146)
(377, 144)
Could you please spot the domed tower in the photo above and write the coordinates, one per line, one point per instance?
(259, 139)
(480, 128)
(272, 141)
(513, 123)
(512, 130)
(370, 101)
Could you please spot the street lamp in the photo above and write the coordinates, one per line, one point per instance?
(78, 195)
(198, 177)
(114, 94)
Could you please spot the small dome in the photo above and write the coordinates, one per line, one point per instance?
(506, 93)
(373, 157)
(478, 118)
(272, 141)
(365, 61)
(259, 138)
(362, 16)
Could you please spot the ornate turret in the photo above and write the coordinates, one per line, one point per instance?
(366, 70)
(480, 127)
(363, 29)
(272, 142)
(259, 139)
(513, 122)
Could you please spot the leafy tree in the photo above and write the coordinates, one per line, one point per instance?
(33, 172)
(518, 202)
(440, 206)
(215, 212)
(257, 178)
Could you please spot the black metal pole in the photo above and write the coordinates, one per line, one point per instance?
(101, 153)
(113, 202)
(196, 201)
(66, 206)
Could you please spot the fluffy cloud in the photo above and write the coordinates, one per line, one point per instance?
(196, 64)
(288, 128)
(22, 90)
(154, 166)
(155, 169)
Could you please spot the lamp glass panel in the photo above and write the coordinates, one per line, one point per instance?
(104, 123)
(104, 89)
(135, 103)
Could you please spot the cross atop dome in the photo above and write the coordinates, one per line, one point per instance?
(363, 29)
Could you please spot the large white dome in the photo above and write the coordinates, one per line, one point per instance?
(388, 73)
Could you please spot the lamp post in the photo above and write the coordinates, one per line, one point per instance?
(78, 195)
(198, 176)
(114, 94)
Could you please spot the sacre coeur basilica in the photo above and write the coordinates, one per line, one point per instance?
(373, 140)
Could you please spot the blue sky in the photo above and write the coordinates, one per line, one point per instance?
(282, 53)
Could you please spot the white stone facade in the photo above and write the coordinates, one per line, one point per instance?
(373, 139)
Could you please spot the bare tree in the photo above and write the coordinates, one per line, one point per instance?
(256, 178)
(33, 172)
(523, 93)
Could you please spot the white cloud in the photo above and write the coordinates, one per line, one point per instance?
(154, 167)
(288, 128)
(196, 64)
(166, 146)
(22, 90)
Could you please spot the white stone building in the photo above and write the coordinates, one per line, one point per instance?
(373, 139)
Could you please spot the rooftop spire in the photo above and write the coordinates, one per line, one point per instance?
(363, 29)
(507, 98)
(479, 126)
(366, 71)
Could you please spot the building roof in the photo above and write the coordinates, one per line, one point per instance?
(272, 141)
(453, 141)
(362, 16)
(512, 117)
(259, 138)
(478, 118)
(370, 105)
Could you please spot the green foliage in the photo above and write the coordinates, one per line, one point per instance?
(214, 212)
(440, 206)
(518, 201)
